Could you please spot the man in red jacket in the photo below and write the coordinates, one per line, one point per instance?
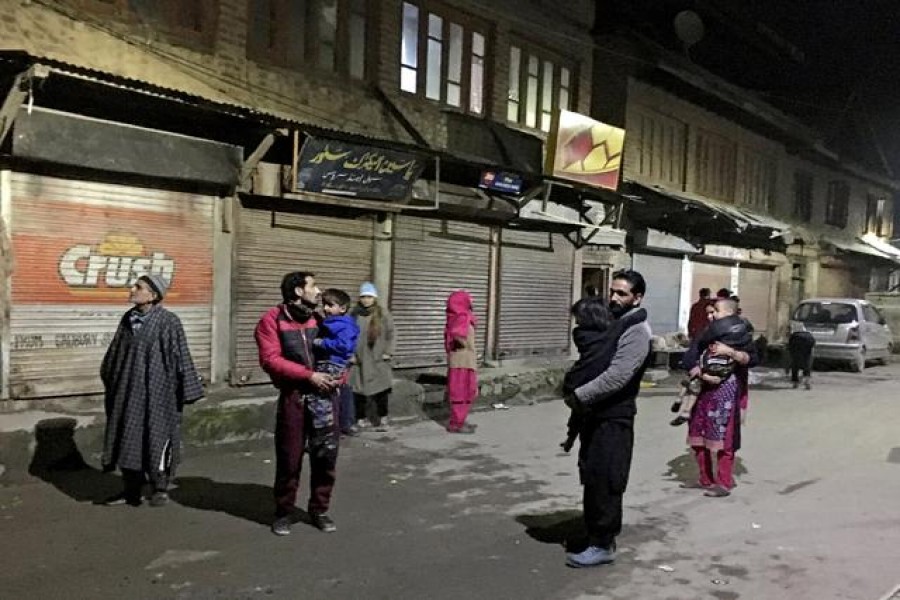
(698, 319)
(285, 336)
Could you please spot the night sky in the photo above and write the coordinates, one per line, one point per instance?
(833, 63)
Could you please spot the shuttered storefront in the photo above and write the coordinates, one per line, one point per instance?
(269, 245)
(841, 280)
(710, 275)
(663, 277)
(535, 294)
(433, 258)
(79, 246)
(755, 286)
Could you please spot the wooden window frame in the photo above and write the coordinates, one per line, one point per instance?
(543, 55)
(705, 162)
(803, 181)
(837, 206)
(470, 26)
(875, 215)
(279, 54)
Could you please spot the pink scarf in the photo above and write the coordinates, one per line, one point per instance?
(459, 318)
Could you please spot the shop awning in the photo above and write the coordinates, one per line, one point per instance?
(866, 246)
(702, 220)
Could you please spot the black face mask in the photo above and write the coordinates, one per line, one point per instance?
(618, 310)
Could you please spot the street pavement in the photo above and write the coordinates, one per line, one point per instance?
(422, 514)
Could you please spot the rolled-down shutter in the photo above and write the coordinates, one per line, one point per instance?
(755, 291)
(535, 294)
(433, 258)
(79, 246)
(338, 251)
(710, 275)
(663, 277)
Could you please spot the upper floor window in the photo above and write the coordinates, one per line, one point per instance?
(330, 34)
(875, 221)
(192, 24)
(654, 147)
(759, 173)
(837, 207)
(539, 85)
(442, 57)
(715, 169)
(803, 196)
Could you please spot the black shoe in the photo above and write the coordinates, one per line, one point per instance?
(676, 406)
(282, 526)
(159, 498)
(679, 420)
(122, 499)
(323, 522)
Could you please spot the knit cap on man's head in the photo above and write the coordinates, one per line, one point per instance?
(157, 284)
(368, 289)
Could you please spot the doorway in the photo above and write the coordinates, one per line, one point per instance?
(594, 281)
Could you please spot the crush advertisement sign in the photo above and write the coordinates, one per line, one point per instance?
(93, 255)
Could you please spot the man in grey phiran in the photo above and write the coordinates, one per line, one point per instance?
(148, 376)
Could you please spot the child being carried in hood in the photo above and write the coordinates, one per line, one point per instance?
(596, 336)
(728, 328)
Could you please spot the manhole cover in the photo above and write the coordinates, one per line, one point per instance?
(894, 457)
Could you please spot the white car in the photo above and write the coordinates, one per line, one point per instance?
(845, 329)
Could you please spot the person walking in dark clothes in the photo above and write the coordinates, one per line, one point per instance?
(607, 438)
(800, 351)
(285, 336)
(698, 320)
(148, 376)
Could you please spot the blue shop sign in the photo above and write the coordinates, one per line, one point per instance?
(501, 181)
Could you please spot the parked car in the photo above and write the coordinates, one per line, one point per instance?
(846, 329)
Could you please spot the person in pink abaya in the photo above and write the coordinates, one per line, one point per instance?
(462, 360)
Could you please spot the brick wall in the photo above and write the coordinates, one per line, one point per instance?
(55, 30)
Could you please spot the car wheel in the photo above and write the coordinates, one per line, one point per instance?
(858, 364)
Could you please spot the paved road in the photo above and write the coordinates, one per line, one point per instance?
(425, 515)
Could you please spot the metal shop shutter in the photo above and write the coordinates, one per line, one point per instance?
(755, 291)
(663, 277)
(433, 258)
(709, 275)
(79, 246)
(842, 281)
(338, 251)
(535, 294)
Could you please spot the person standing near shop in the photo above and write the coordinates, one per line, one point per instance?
(148, 376)
(698, 320)
(607, 438)
(462, 360)
(285, 336)
(372, 377)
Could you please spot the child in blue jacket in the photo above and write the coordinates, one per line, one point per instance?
(334, 348)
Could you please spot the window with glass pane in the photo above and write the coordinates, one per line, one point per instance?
(539, 85)
(442, 58)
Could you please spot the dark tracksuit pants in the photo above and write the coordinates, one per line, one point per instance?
(374, 407)
(604, 462)
(293, 430)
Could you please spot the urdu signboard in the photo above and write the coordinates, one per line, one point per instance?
(345, 169)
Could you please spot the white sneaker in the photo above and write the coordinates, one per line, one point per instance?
(499, 406)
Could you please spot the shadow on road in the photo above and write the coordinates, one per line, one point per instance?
(249, 501)
(58, 461)
(563, 528)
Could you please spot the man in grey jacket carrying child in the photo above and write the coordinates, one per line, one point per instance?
(607, 437)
